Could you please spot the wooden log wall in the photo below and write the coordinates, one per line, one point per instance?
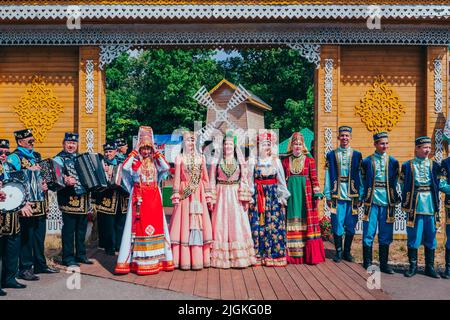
(408, 71)
(62, 70)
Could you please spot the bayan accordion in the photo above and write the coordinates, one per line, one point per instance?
(91, 171)
(115, 176)
(69, 165)
(32, 180)
(52, 173)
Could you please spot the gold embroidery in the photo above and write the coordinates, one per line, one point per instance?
(25, 163)
(296, 164)
(334, 187)
(74, 201)
(369, 193)
(408, 196)
(353, 186)
(106, 202)
(194, 167)
(80, 209)
(108, 205)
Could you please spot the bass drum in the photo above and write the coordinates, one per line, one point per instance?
(16, 196)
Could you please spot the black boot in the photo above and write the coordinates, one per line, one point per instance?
(338, 246)
(347, 248)
(429, 263)
(446, 274)
(384, 258)
(367, 256)
(412, 257)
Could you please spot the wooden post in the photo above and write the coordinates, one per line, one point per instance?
(91, 115)
(325, 121)
(435, 120)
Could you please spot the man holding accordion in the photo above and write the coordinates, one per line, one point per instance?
(24, 160)
(111, 204)
(73, 202)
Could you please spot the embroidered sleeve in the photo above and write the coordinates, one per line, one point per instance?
(313, 175)
(283, 192)
(162, 166)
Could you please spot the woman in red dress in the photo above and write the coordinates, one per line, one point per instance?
(145, 247)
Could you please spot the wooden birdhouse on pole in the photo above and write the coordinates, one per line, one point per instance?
(231, 107)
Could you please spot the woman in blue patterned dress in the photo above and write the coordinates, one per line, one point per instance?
(267, 214)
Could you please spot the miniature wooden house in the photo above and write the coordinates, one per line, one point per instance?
(249, 114)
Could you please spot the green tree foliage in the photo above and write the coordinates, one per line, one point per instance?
(282, 79)
(156, 87)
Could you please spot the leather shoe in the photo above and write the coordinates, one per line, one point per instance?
(2, 293)
(46, 270)
(14, 285)
(28, 275)
(84, 260)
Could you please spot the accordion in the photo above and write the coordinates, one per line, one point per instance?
(52, 173)
(91, 171)
(115, 176)
(32, 180)
(71, 170)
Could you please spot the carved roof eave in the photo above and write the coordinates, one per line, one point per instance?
(206, 13)
(224, 35)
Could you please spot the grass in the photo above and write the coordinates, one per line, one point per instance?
(398, 252)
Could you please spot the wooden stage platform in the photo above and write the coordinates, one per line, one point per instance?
(327, 281)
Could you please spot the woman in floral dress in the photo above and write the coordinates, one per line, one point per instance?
(267, 213)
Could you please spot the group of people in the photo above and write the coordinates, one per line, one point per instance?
(22, 232)
(352, 182)
(230, 212)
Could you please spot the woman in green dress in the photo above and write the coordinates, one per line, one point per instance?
(304, 240)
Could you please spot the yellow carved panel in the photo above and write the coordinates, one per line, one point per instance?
(38, 109)
(380, 109)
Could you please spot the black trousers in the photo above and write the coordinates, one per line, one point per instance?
(110, 230)
(32, 252)
(9, 254)
(73, 237)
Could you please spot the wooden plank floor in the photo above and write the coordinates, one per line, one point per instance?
(327, 281)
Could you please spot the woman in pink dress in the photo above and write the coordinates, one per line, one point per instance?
(190, 225)
(233, 244)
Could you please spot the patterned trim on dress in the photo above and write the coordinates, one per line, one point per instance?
(195, 171)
